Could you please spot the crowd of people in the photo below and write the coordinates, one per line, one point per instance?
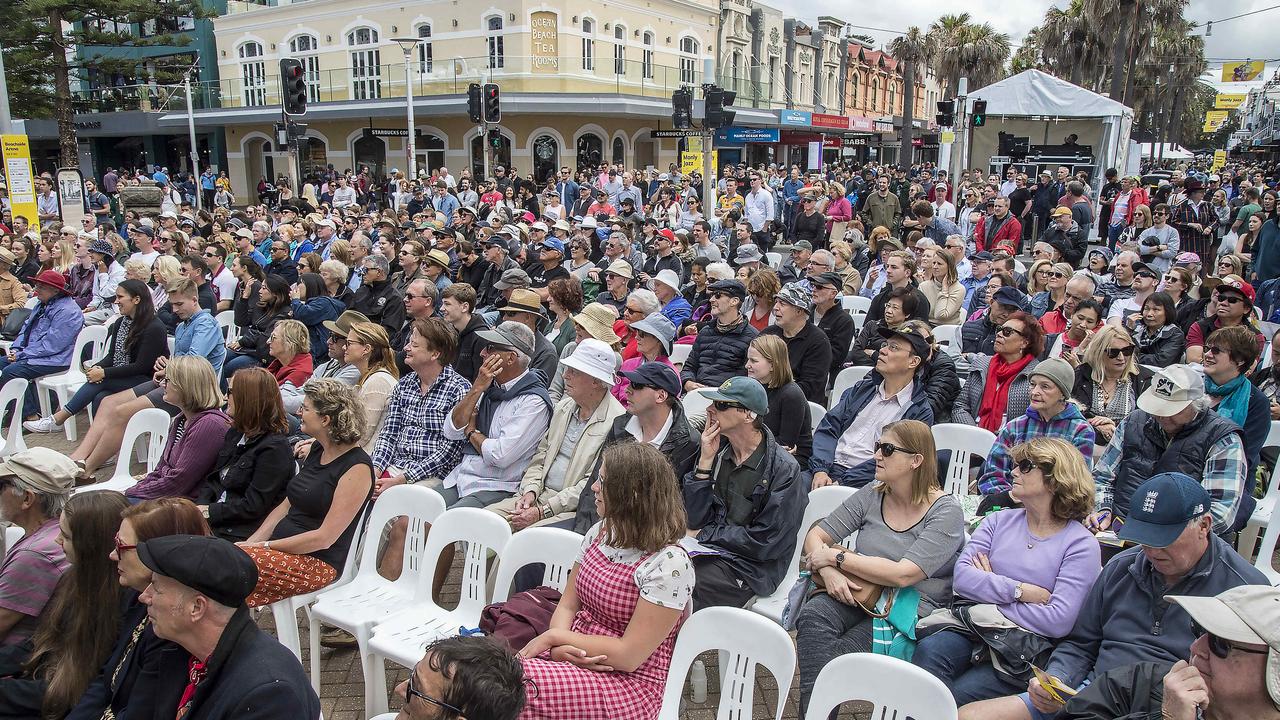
(526, 347)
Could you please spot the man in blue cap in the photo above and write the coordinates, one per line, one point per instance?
(1126, 617)
(550, 265)
(744, 498)
(979, 336)
(235, 670)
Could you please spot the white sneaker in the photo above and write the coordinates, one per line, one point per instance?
(43, 425)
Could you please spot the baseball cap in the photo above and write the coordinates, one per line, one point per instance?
(513, 278)
(1244, 614)
(621, 268)
(552, 244)
(656, 374)
(919, 346)
(1237, 283)
(594, 358)
(743, 390)
(982, 256)
(730, 287)
(1141, 267)
(211, 566)
(1172, 389)
(1060, 211)
(509, 334)
(41, 470)
(1011, 296)
(539, 226)
(659, 326)
(827, 279)
(241, 233)
(1161, 507)
(802, 245)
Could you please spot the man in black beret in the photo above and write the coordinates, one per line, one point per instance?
(196, 599)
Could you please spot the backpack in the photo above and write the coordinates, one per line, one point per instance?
(523, 617)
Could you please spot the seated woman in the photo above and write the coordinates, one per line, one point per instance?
(1108, 380)
(133, 344)
(272, 306)
(898, 308)
(254, 463)
(998, 386)
(126, 684)
(942, 288)
(1083, 322)
(1230, 353)
(290, 349)
(195, 436)
(1050, 414)
(313, 527)
(1159, 339)
(1055, 290)
(788, 418)
(909, 535)
(609, 644)
(1035, 564)
(369, 350)
(311, 306)
(654, 335)
(46, 676)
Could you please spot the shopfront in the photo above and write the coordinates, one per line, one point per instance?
(750, 145)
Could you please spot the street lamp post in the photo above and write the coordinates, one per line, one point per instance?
(408, 45)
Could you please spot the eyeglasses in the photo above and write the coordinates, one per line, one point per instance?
(632, 311)
(1215, 349)
(1221, 646)
(1043, 272)
(121, 547)
(416, 693)
(723, 406)
(888, 449)
(1026, 465)
(1010, 331)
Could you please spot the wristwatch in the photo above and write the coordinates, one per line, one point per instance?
(1017, 592)
(839, 559)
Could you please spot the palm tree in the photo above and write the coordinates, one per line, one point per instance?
(942, 36)
(961, 48)
(908, 49)
(1124, 16)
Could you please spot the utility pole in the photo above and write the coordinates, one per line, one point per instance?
(191, 137)
(958, 151)
(708, 135)
(6, 120)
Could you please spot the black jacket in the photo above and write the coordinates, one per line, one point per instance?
(717, 356)
(250, 676)
(467, 363)
(1082, 391)
(838, 325)
(978, 336)
(287, 269)
(809, 353)
(381, 304)
(255, 333)
(876, 311)
(257, 473)
(867, 345)
(942, 383)
(1161, 348)
(1129, 692)
(152, 343)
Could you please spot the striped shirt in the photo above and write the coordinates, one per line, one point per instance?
(28, 576)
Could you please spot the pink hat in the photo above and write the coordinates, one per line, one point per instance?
(1187, 258)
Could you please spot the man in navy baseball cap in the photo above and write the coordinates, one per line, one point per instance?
(1161, 508)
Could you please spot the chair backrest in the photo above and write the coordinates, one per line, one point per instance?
(963, 441)
(774, 259)
(12, 535)
(1273, 435)
(896, 688)
(745, 640)
(554, 548)
(816, 413)
(855, 302)
(822, 502)
(93, 337)
(948, 337)
(13, 392)
(151, 422)
(227, 324)
(483, 532)
(422, 506)
(696, 403)
(1267, 551)
(846, 379)
(680, 353)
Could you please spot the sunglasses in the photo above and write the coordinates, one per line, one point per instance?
(1225, 265)
(416, 693)
(1149, 275)
(1060, 276)
(1026, 465)
(1114, 353)
(722, 406)
(1229, 299)
(1007, 331)
(1215, 349)
(1171, 278)
(1221, 646)
(637, 387)
(888, 449)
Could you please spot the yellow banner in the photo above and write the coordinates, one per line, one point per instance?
(1219, 159)
(1216, 116)
(690, 162)
(21, 179)
(1229, 101)
(1211, 127)
(693, 143)
(948, 136)
(1242, 70)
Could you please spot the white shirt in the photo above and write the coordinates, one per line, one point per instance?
(104, 286)
(519, 424)
(633, 427)
(344, 197)
(1007, 187)
(148, 258)
(857, 444)
(945, 210)
(759, 207)
(226, 284)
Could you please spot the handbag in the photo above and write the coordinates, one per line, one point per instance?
(1229, 243)
(520, 619)
(837, 231)
(868, 598)
(13, 322)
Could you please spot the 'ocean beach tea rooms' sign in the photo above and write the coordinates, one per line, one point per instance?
(546, 42)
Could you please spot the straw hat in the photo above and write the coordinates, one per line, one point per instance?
(597, 320)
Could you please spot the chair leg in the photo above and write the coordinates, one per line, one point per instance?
(313, 638)
(68, 427)
(373, 670)
(287, 626)
(1248, 541)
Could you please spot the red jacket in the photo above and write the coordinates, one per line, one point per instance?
(1011, 232)
(298, 371)
(1138, 197)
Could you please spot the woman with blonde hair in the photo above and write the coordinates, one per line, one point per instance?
(1055, 290)
(164, 270)
(1038, 277)
(1109, 379)
(942, 288)
(762, 290)
(1229, 264)
(909, 534)
(769, 363)
(846, 268)
(1036, 563)
(369, 350)
(290, 348)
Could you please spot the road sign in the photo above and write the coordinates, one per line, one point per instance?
(948, 136)
(658, 134)
(1219, 159)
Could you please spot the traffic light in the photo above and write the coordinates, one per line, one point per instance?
(946, 113)
(293, 86)
(475, 110)
(682, 108)
(492, 110)
(495, 139)
(718, 100)
(979, 113)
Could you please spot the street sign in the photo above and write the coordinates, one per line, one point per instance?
(948, 136)
(17, 171)
(658, 134)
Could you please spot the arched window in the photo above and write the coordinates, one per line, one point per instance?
(304, 48)
(424, 49)
(431, 152)
(619, 50)
(618, 153)
(892, 92)
(366, 64)
(735, 70)
(875, 94)
(588, 44)
(370, 152)
(688, 60)
(253, 73)
(497, 56)
(590, 150)
(853, 91)
(647, 59)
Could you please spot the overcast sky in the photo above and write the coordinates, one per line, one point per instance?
(1251, 36)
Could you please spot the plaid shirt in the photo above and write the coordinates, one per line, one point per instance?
(1068, 425)
(1224, 476)
(412, 435)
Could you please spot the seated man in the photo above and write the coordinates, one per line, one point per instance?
(844, 442)
(720, 350)
(1126, 617)
(744, 498)
(1173, 429)
(979, 336)
(1231, 672)
(563, 462)
(46, 340)
(466, 676)
(36, 484)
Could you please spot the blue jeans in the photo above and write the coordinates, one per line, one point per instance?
(234, 362)
(1113, 234)
(27, 371)
(95, 393)
(948, 656)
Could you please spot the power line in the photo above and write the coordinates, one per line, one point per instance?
(1235, 17)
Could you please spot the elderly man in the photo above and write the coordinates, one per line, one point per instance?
(720, 349)
(34, 486)
(1079, 288)
(975, 285)
(377, 298)
(1065, 236)
(832, 319)
(562, 465)
(796, 266)
(744, 499)
(524, 307)
(808, 350)
(550, 267)
(233, 669)
(498, 255)
(1126, 617)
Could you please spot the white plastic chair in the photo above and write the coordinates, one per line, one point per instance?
(12, 535)
(695, 402)
(554, 548)
(66, 383)
(402, 637)
(774, 259)
(948, 337)
(846, 379)
(13, 392)
(357, 605)
(151, 423)
(963, 441)
(855, 302)
(1267, 551)
(744, 640)
(859, 319)
(816, 413)
(896, 688)
(1261, 517)
(822, 502)
(680, 353)
(227, 324)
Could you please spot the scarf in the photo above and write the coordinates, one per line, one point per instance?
(1234, 404)
(895, 635)
(995, 394)
(531, 383)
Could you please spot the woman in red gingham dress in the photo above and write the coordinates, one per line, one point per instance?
(606, 654)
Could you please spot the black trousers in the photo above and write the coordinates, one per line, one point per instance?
(717, 584)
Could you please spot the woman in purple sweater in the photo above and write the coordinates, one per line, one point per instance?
(1034, 564)
(195, 437)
